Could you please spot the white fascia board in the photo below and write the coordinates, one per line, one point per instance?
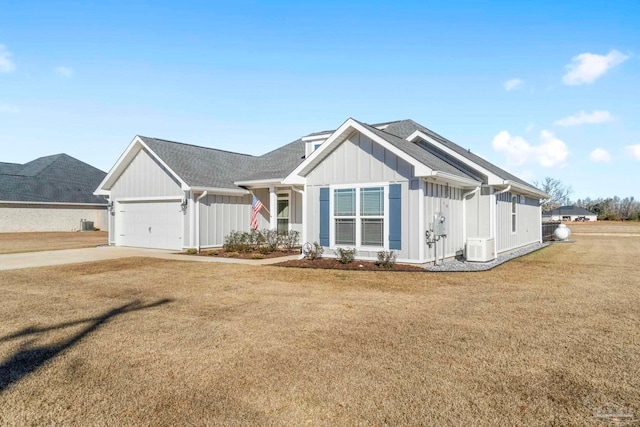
(526, 190)
(316, 137)
(218, 190)
(452, 179)
(121, 164)
(258, 183)
(492, 178)
(339, 136)
(11, 202)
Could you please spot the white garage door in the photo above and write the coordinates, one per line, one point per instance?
(152, 224)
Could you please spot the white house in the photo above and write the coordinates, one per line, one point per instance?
(569, 213)
(52, 193)
(389, 186)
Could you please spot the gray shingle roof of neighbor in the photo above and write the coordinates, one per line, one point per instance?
(568, 210)
(52, 179)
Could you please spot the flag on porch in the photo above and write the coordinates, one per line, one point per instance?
(256, 207)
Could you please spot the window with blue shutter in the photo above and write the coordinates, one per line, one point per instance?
(395, 216)
(324, 217)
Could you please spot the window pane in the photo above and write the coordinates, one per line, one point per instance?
(283, 225)
(372, 201)
(344, 202)
(283, 208)
(372, 231)
(346, 232)
(513, 204)
(513, 223)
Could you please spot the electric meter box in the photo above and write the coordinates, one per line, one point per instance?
(440, 224)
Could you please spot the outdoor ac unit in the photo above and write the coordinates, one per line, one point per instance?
(480, 249)
(86, 225)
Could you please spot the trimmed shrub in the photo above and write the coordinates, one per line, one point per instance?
(192, 251)
(291, 240)
(346, 255)
(387, 259)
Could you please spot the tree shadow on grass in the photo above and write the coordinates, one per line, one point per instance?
(28, 360)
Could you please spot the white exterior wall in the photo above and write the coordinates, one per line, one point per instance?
(220, 215)
(145, 178)
(359, 160)
(23, 218)
(448, 201)
(527, 226)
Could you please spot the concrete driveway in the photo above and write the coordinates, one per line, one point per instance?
(101, 253)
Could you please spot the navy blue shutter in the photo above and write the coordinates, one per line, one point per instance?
(395, 216)
(324, 216)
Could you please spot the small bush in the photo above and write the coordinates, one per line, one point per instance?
(236, 241)
(213, 253)
(346, 255)
(233, 254)
(192, 251)
(272, 239)
(291, 240)
(314, 252)
(387, 259)
(264, 250)
(257, 256)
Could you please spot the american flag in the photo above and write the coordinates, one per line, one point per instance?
(256, 207)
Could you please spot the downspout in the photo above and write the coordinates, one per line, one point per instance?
(197, 208)
(464, 214)
(495, 219)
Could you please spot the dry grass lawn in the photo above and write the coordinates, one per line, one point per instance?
(50, 241)
(552, 338)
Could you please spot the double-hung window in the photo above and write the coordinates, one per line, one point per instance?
(358, 215)
(514, 219)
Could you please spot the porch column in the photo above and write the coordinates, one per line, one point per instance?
(273, 208)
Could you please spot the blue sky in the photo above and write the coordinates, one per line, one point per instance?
(540, 89)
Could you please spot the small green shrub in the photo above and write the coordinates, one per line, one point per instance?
(387, 259)
(257, 256)
(233, 254)
(237, 241)
(192, 251)
(346, 255)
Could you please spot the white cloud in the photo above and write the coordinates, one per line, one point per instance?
(551, 152)
(64, 71)
(588, 67)
(634, 151)
(512, 84)
(6, 65)
(581, 118)
(600, 155)
(8, 108)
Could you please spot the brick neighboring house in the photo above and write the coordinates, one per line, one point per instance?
(52, 193)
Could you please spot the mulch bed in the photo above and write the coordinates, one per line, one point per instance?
(220, 253)
(335, 264)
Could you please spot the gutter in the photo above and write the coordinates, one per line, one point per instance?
(464, 214)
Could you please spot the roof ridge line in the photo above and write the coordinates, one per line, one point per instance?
(198, 146)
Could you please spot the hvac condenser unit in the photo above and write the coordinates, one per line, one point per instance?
(480, 249)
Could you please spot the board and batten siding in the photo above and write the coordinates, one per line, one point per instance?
(527, 222)
(448, 201)
(360, 161)
(222, 214)
(145, 177)
(478, 217)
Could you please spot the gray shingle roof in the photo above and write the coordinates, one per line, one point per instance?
(404, 128)
(568, 210)
(419, 153)
(208, 167)
(54, 179)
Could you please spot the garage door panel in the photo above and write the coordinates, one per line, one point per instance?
(150, 224)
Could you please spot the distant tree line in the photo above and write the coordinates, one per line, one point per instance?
(610, 208)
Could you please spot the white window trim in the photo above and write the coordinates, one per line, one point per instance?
(288, 197)
(385, 217)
